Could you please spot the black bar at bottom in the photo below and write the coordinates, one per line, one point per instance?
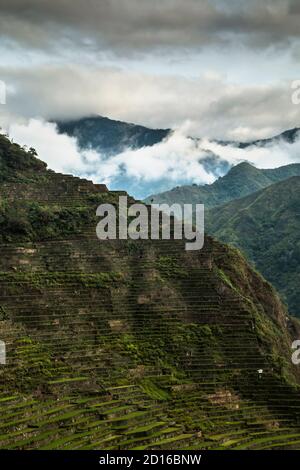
(143, 459)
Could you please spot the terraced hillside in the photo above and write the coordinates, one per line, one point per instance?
(131, 345)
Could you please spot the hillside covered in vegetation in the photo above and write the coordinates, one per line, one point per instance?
(266, 226)
(242, 180)
(131, 344)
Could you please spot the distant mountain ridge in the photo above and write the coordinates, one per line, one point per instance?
(241, 180)
(109, 136)
(289, 136)
(112, 136)
(266, 226)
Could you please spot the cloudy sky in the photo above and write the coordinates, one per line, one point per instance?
(224, 66)
(219, 68)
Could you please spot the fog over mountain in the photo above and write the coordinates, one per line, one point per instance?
(222, 72)
(144, 161)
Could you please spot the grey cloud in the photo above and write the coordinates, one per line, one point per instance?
(209, 107)
(294, 7)
(143, 24)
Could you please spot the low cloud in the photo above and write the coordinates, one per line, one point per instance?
(271, 155)
(59, 151)
(177, 160)
(173, 161)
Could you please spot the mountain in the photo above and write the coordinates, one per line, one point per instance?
(108, 136)
(241, 180)
(266, 226)
(131, 344)
(290, 136)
